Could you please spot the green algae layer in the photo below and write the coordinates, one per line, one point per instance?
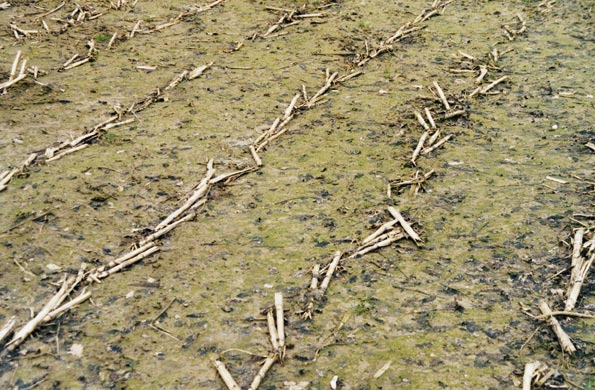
(445, 315)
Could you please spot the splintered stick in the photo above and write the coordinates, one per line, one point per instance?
(291, 106)
(441, 95)
(280, 319)
(273, 330)
(436, 145)
(255, 156)
(315, 276)
(421, 120)
(226, 376)
(331, 270)
(7, 328)
(420, 145)
(430, 118)
(268, 363)
(563, 338)
(578, 275)
(406, 226)
(380, 231)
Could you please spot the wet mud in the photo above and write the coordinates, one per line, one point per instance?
(446, 314)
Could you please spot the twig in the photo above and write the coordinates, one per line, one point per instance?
(436, 145)
(315, 276)
(51, 11)
(268, 363)
(563, 338)
(7, 328)
(330, 271)
(273, 334)
(255, 156)
(579, 273)
(280, 321)
(226, 376)
(420, 145)
(528, 375)
(441, 95)
(406, 226)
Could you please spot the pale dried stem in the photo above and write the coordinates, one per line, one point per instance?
(483, 71)
(406, 226)
(441, 95)
(280, 320)
(381, 242)
(529, 373)
(12, 82)
(421, 120)
(291, 106)
(453, 114)
(199, 71)
(7, 328)
(126, 263)
(381, 230)
(563, 339)
(66, 152)
(315, 276)
(78, 63)
(576, 250)
(51, 11)
(323, 90)
(201, 191)
(30, 326)
(578, 275)
(436, 145)
(268, 363)
(273, 335)
(430, 118)
(433, 138)
(67, 306)
(123, 258)
(420, 145)
(165, 230)
(118, 124)
(493, 84)
(226, 376)
(112, 40)
(255, 156)
(330, 271)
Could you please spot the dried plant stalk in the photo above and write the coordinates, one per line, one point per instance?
(226, 376)
(563, 339)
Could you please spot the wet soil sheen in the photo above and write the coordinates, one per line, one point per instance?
(445, 314)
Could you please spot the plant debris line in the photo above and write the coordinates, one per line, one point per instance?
(117, 118)
(141, 250)
(186, 212)
(71, 146)
(583, 251)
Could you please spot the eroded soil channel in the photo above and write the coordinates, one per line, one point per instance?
(508, 188)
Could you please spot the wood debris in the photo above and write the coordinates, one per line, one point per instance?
(18, 72)
(403, 32)
(63, 148)
(563, 339)
(275, 324)
(537, 373)
(416, 182)
(289, 17)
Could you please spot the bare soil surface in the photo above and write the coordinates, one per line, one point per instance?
(496, 217)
